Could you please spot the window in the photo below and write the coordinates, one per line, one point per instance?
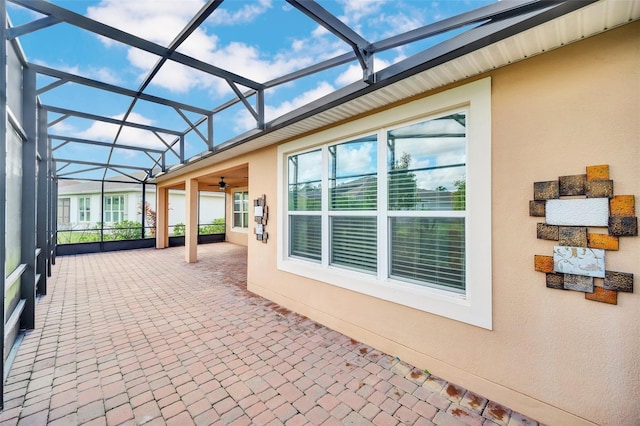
(64, 211)
(304, 205)
(401, 212)
(426, 171)
(114, 211)
(84, 209)
(241, 209)
(353, 202)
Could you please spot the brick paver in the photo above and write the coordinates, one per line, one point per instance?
(141, 337)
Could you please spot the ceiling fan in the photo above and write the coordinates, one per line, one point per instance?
(222, 184)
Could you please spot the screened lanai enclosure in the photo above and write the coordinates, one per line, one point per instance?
(82, 147)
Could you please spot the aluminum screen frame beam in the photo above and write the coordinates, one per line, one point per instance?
(95, 117)
(451, 49)
(96, 27)
(99, 143)
(360, 46)
(73, 78)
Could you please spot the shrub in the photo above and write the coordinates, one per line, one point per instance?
(178, 229)
(126, 230)
(216, 227)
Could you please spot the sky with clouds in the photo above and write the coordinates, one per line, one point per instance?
(257, 39)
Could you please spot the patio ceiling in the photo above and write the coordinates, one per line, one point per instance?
(199, 131)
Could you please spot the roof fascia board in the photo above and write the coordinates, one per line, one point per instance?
(490, 12)
(449, 50)
(88, 24)
(493, 11)
(446, 51)
(476, 39)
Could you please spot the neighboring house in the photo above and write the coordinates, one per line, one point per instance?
(80, 204)
(437, 267)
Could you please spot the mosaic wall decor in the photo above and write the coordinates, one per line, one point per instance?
(571, 207)
(261, 216)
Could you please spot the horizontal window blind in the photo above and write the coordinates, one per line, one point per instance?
(305, 236)
(428, 250)
(354, 242)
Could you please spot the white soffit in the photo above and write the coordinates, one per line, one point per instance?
(575, 26)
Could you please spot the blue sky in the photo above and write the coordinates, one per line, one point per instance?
(258, 39)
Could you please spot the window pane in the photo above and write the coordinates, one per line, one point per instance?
(305, 237)
(13, 220)
(427, 165)
(354, 242)
(353, 175)
(429, 250)
(241, 209)
(64, 211)
(305, 176)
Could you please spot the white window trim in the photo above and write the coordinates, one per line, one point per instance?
(475, 306)
(85, 210)
(123, 211)
(235, 228)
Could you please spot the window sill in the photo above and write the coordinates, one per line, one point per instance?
(444, 303)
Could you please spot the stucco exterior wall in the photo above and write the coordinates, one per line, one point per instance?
(552, 354)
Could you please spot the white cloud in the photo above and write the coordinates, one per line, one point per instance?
(160, 21)
(101, 131)
(103, 74)
(356, 10)
(244, 120)
(247, 13)
(402, 22)
(62, 128)
(357, 158)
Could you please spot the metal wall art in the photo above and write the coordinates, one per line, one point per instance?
(571, 206)
(261, 216)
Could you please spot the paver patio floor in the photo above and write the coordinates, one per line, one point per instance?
(141, 337)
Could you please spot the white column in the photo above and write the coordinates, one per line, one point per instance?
(191, 215)
(162, 215)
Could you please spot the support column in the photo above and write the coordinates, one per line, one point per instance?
(162, 217)
(42, 202)
(29, 204)
(191, 215)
